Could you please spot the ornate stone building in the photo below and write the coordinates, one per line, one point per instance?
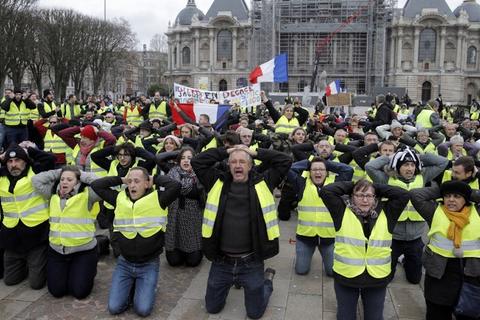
(433, 50)
(210, 51)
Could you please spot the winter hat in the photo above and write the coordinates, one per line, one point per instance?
(404, 156)
(89, 132)
(175, 139)
(17, 90)
(15, 151)
(456, 187)
(395, 124)
(145, 125)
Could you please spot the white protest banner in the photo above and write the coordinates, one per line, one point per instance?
(244, 97)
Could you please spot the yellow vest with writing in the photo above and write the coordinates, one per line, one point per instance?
(354, 252)
(145, 216)
(439, 242)
(314, 219)
(23, 204)
(75, 224)
(283, 125)
(409, 213)
(267, 203)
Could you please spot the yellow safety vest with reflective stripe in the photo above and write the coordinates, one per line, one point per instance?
(113, 172)
(212, 144)
(447, 176)
(55, 144)
(133, 117)
(314, 219)
(23, 204)
(358, 172)
(404, 112)
(145, 216)
(475, 115)
(66, 112)
(409, 212)
(423, 119)
(159, 112)
(74, 225)
(442, 245)
(429, 148)
(17, 115)
(35, 114)
(283, 125)
(450, 155)
(90, 166)
(254, 148)
(267, 203)
(354, 252)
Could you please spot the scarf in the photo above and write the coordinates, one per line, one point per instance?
(84, 152)
(458, 221)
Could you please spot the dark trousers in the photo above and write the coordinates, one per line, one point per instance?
(373, 300)
(249, 275)
(20, 265)
(71, 273)
(178, 258)
(287, 202)
(412, 251)
(1, 263)
(15, 135)
(440, 312)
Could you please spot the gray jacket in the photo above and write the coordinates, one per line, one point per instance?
(433, 165)
(43, 183)
(424, 201)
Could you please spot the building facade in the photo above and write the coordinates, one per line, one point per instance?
(433, 50)
(210, 51)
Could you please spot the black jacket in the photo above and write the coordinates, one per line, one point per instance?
(277, 163)
(139, 249)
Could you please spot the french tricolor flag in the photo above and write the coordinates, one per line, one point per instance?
(217, 113)
(275, 70)
(333, 88)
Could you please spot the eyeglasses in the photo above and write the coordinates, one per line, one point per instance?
(364, 196)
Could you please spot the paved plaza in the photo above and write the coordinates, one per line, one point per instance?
(181, 294)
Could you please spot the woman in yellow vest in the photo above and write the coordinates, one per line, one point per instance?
(72, 252)
(452, 256)
(315, 225)
(286, 121)
(363, 224)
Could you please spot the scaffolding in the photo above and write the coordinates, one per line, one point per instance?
(346, 38)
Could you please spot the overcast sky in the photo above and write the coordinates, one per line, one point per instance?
(147, 17)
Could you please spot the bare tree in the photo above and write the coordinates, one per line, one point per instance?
(83, 40)
(159, 43)
(37, 63)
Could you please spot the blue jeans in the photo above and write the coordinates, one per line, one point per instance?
(250, 276)
(304, 253)
(126, 274)
(373, 300)
(15, 135)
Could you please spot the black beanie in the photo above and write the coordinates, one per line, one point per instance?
(15, 151)
(456, 187)
(46, 92)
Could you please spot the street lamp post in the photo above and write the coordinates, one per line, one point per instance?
(105, 10)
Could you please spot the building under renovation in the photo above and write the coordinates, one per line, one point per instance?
(346, 39)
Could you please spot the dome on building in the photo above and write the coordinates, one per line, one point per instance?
(472, 8)
(185, 16)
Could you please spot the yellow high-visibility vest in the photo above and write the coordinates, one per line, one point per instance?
(23, 204)
(267, 203)
(66, 112)
(450, 155)
(409, 212)
(429, 148)
(447, 176)
(17, 115)
(133, 117)
(159, 112)
(75, 224)
(254, 147)
(35, 114)
(442, 245)
(283, 125)
(423, 119)
(314, 219)
(90, 166)
(354, 252)
(145, 216)
(113, 172)
(212, 144)
(54, 144)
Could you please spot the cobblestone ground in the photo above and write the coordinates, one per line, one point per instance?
(181, 292)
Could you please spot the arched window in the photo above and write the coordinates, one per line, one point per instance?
(186, 56)
(428, 45)
(184, 83)
(472, 55)
(426, 91)
(224, 45)
(241, 82)
(222, 85)
(301, 85)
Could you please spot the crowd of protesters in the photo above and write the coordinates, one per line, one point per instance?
(396, 185)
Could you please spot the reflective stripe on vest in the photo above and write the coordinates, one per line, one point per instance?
(66, 112)
(283, 125)
(145, 216)
(267, 203)
(314, 219)
(212, 144)
(17, 115)
(409, 213)
(90, 166)
(74, 225)
(55, 144)
(159, 112)
(439, 242)
(423, 119)
(133, 117)
(113, 172)
(429, 148)
(354, 253)
(24, 204)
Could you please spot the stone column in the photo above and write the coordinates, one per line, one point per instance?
(295, 52)
(248, 39)
(197, 49)
(458, 62)
(211, 35)
(416, 43)
(350, 54)
(392, 51)
(234, 49)
(443, 34)
(170, 56)
(399, 49)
